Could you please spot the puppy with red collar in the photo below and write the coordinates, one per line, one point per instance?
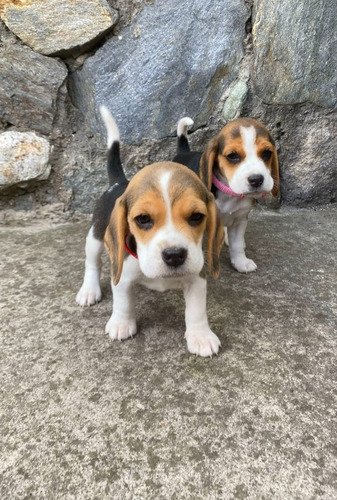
(153, 228)
(239, 165)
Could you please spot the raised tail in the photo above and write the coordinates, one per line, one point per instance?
(182, 144)
(114, 166)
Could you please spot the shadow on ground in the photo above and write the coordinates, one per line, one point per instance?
(84, 418)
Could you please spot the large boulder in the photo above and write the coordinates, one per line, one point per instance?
(309, 149)
(29, 85)
(176, 59)
(294, 91)
(59, 28)
(295, 56)
(24, 157)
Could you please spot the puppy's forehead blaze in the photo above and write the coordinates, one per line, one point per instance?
(231, 135)
(183, 196)
(146, 194)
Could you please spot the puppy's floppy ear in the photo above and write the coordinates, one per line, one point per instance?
(207, 162)
(114, 238)
(275, 174)
(215, 236)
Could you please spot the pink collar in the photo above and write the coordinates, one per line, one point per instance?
(227, 190)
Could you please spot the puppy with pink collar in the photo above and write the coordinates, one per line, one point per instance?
(239, 165)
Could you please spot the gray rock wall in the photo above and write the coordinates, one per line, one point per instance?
(295, 52)
(152, 62)
(29, 85)
(294, 90)
(176, 58)
(59, 28)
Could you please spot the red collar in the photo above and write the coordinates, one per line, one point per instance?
(227, 190)
(127, 248)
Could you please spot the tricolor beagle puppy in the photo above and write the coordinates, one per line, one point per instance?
(239, 165)
(153, 228)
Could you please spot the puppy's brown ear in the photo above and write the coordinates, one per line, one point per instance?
(207, 162)
(275, 174)
(215, 237)
(114, 238)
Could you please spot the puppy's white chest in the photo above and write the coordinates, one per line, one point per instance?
(232, 208)
(161, 284)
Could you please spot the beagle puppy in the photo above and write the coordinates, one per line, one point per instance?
(153, 228)
(239, 166)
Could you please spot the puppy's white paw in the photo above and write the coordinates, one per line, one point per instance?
(120, 329)
(244, 265)
(89, 295)
(202, 343)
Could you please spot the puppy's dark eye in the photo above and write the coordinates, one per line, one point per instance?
(144, 222)
(233, 158)
(196, 219)
(266, 155)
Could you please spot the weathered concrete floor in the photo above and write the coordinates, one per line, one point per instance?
(84, 418)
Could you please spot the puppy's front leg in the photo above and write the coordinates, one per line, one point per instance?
(200, 338)
(122, 323)
(236, 239)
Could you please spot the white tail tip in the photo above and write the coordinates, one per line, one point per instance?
(183, 125)
(111, 126)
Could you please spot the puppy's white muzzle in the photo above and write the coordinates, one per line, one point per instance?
(252, 177)
(170, 253)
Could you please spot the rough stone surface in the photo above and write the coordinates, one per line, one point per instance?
(86, 174)
(85, 418)
(235, 100)
(295, 51)
(176, 59)
(23, 157)
(29, 85)
(58, 28)
(128, 10)
(310, 174)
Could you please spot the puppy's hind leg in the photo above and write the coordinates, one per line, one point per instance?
(90, 291)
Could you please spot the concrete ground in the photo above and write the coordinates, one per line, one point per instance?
(85, 418)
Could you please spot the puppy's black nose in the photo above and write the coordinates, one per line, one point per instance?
(174, 257)
(255, 180)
